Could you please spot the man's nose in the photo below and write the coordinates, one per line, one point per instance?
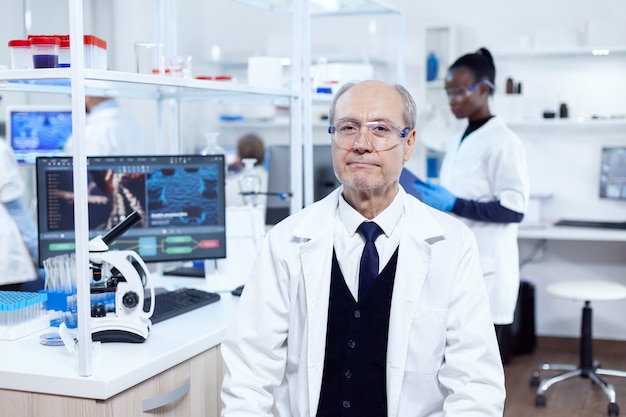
(363, 144)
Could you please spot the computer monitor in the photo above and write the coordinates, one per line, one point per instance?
(34, 131)
(181, 200)
(278, 178)
(613, 173)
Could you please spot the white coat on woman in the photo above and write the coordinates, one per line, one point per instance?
(442, 353)
(490, 163)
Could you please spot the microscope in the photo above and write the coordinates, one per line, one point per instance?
(117, 289)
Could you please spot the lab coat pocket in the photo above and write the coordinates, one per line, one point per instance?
(427, 341)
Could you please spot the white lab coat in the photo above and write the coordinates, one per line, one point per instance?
(491, 164)
(442, 354)
(112, 131)
(11, 183)
(16, 265)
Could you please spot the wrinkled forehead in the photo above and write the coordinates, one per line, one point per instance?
(370, 101)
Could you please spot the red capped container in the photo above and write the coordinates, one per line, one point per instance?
(64, 53)
(45, 51)
(21, 57)
(95, 52)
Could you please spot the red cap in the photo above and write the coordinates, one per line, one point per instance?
(94, 40)
(223, 78)
(45, 40)
(19, 43)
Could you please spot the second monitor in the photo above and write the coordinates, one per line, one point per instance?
(279, 180)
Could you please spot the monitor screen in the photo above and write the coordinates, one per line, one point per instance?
(613, 173)
(180, 198)
(34, 131)
(278, 178)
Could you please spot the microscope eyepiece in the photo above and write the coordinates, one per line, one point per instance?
(121, 228)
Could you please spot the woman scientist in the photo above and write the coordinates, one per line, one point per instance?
(484, 181)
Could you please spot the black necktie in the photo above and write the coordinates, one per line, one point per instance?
(368, 270)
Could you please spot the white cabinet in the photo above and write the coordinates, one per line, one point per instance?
(189, 388)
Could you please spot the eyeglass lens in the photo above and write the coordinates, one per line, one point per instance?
(381, 136)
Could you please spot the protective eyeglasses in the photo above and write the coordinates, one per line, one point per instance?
(382, 135)
(460, 94)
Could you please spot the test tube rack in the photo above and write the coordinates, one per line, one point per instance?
(22, 314)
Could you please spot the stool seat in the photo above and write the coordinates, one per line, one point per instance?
(585, 291)
(588, 290)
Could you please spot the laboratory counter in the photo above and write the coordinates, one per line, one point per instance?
(551, 232)
(30, 367)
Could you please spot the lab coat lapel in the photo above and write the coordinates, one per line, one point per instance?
(316, 260)
(414, 262)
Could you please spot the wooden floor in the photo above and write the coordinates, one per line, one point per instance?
(575, 397)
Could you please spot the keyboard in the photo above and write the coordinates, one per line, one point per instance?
(186, 271)
(592, 223)
(170, 304)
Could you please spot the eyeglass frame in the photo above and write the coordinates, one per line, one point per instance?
(402, 133)
(468, 90)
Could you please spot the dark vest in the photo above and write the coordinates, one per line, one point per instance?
(353, 382)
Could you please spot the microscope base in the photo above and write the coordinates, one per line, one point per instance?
(116, 329)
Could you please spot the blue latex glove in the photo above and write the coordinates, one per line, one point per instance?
(435, 195)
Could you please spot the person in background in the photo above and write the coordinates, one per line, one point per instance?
(484, 181)
(249, 146)
(18, 234)
(109, 130)
(411, 338)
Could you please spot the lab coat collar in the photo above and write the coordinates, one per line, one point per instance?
(416, 212)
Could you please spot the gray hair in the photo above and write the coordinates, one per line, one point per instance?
(410, 108)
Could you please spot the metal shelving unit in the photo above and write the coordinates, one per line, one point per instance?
(78, 81)
(168, 92)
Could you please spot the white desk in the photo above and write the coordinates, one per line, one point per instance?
(573, 253)
(572, 233)
(28, 366)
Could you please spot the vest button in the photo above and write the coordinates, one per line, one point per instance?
(348, 374)
(346, 404)
(357, 314)
(351, 343)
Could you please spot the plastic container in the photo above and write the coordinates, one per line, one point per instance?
(95, 52)
(45, 51)
(432, 67)
(21, 57)
(64, 53)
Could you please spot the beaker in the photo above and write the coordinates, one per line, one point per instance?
(149, 56)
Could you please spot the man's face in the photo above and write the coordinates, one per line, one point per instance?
(363, 167)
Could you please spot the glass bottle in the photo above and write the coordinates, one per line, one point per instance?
(212, 147)
(249, 182)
